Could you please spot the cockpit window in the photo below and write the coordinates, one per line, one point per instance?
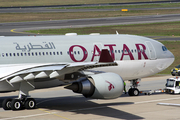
(164, 48)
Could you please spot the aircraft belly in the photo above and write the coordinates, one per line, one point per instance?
(133, 69)
(47, 83)
(6, 87)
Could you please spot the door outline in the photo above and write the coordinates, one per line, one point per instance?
(152, 52)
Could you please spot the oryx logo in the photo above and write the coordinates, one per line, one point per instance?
(111, 86)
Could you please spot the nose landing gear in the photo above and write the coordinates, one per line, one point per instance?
(133, 91)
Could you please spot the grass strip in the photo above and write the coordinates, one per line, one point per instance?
(12, 3)
(21, 17)
(150, 29)
(162, 5)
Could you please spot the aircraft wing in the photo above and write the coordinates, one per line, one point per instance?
(53, 70)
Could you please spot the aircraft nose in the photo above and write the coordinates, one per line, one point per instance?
(170, 55)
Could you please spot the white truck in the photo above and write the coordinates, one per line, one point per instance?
(173, 85)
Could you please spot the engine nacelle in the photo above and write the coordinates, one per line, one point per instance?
(99, 86)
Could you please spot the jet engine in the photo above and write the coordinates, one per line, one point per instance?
(99, 86)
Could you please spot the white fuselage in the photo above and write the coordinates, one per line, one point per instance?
(136, 56)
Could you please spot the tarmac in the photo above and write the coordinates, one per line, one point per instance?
(58, 103)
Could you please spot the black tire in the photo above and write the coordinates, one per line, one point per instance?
(30, 103)
(135, 92)
(6, 104)
(130, 92)
(16, 104)
(178, 73)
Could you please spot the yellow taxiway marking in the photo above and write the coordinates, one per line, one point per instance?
(54, 114)
(13, 30)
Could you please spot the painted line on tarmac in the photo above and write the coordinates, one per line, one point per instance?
(169, 104)
(27, 116)
(53, 114)
(156, 100)
(13, 30)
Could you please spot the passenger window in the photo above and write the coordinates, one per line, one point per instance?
(7, 54)
(29, 54)
(54, 53)
(50, 53)
(57, 53)
(14, 54)
(10, 54)
(61, 53)
(21, 54)
(46, 53)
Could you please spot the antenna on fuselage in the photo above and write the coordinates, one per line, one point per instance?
(117, 33)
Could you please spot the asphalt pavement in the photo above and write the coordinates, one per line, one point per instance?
(59, 103)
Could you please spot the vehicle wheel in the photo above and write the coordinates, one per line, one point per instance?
(135, 92)
(6, 104)
(16, 104)
(30, 103)
(178, 73)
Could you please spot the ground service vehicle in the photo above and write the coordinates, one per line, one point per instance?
(176, 71)
(173, 85)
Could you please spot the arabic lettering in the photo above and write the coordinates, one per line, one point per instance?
(30, 46)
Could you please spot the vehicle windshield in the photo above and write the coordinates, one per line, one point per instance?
(170, 83)
(178, 66)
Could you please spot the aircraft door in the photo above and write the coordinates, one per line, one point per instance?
(152, 51)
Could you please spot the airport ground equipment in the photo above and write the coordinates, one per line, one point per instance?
(173, 85)
(149, 92)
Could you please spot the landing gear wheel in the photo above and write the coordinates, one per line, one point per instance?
(6, 104)
(30, 103)
(133, 92)
(130, 92)
(16, 104)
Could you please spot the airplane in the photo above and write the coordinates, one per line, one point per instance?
(94, 65)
